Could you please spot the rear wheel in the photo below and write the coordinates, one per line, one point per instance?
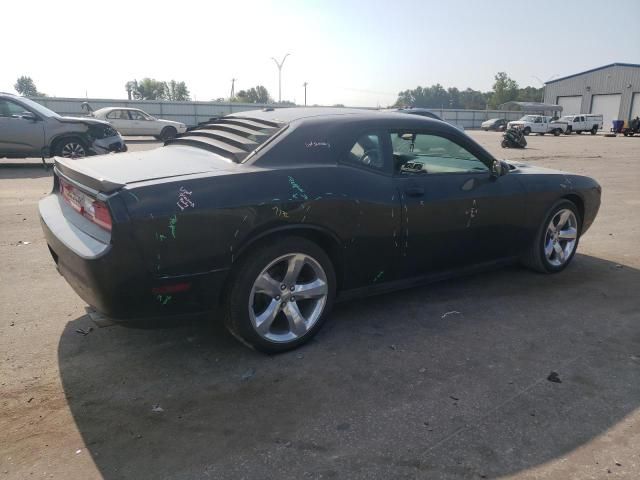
(557, 132)
(526, 131)
(594, 130)
(280, 295)
(503, 144)
(556, 240)
(168, 133)
(71, 148)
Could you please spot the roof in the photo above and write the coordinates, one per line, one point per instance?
(534, 106)
(635, 65)
(288, 115)
(108, 109)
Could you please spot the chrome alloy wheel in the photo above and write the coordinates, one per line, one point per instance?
(288, 297)
(561, 237)
(73, 150)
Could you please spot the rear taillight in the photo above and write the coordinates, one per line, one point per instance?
(85, 205)
(100, 215)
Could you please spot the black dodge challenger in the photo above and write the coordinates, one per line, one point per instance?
(270, 216)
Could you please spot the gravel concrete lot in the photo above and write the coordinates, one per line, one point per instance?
(447, 381)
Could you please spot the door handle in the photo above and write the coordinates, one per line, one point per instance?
(414, 191)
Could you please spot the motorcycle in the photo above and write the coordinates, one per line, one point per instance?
(513, 138)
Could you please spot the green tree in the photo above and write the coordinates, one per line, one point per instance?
(26, 86)
(505, 90)
(146, 89)
(258, 94)
(176, 91)
(530, 94)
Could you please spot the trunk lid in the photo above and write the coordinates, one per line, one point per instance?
(107, 173)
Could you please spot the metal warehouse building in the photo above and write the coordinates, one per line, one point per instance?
(612, 90)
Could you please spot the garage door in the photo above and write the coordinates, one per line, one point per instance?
(635, 106)
(570, 105)
(608, 106)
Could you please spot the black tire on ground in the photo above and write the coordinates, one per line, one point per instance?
(503, 144)
(535, 258)
(568, 131)
(168, 133)
(243, 277)
(579, 132)
(526, 131)
(70, 147)
(594, 130)
(557, 132)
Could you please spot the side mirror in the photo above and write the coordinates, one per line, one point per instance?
(499, 168)
(29, 116)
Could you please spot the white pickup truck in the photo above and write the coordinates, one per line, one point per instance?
(582, 123)
(539, 124)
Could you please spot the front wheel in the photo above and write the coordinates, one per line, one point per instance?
(504, 144)
(280, 295)
(526, 131)
(71, 148)
(557, 239)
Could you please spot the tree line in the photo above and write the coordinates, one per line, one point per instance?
(505, 89)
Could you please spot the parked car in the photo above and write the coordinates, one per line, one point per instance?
(496, 124)
(27, 129)
(269, 216)
(582, 123)
(539, 124)
(423, 112)
(133, 121)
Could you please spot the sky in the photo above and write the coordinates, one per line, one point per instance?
(356, 53)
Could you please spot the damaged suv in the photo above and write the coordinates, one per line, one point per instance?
(27, 129)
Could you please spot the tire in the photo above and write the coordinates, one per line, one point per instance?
(259, 285)
(70, 147)
(594, 130)
(168, 133)
(579, 132)
(568, 131)
(503, 144)
(557, 132)
(526, 131)
(542, 255)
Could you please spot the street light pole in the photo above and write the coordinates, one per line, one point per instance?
(280, 64)
(305, 92)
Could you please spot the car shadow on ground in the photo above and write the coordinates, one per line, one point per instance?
(27, 171)
(443, 381)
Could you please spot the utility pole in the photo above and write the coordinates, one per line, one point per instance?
(280, 64)
(233, 89)
(305, 92)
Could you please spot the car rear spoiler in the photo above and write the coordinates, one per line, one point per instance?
(84, 175)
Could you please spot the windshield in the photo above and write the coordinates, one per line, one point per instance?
(36, 107)
(567, 118)
(528, 118)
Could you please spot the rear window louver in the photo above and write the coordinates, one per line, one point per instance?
(230, 137)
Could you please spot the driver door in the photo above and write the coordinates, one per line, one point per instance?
(456, 213)
(142, 124)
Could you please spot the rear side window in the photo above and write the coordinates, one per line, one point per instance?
(136, 115)
(9, 109)
(368, 152)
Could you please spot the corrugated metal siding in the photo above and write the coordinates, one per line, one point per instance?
(616, 79)
(192, 113)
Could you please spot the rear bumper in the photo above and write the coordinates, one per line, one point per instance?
(115, 281)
